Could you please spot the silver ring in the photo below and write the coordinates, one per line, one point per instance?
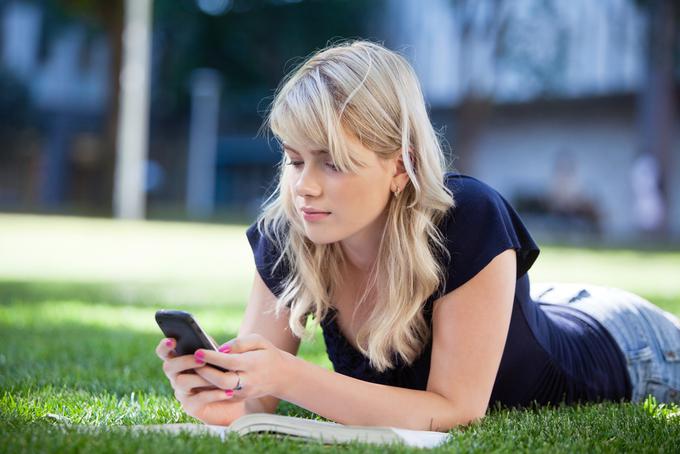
(238, 383)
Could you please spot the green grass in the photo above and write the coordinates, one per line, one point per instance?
(77, 298)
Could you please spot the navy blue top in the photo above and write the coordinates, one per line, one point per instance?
(553, 353)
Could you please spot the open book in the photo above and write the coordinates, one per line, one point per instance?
(308, 429)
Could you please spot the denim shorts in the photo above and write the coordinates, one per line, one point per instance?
(648, 336)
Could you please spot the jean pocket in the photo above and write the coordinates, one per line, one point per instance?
(664, 383)
(667, 333)
(662, 392)
(639, 356)
(641, 370)
(668, 337)
(669, 340)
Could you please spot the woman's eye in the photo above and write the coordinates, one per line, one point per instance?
(330, 165)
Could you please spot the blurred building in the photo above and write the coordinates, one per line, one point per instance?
(548, 81)
(538, 98)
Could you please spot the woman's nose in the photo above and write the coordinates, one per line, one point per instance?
(307, 183)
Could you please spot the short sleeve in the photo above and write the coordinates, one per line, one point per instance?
(480, 227)
(266, 254)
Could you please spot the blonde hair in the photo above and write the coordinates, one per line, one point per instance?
(362, 88)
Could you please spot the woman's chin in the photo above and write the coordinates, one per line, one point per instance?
(317, 236)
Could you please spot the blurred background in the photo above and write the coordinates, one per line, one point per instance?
(149, 109)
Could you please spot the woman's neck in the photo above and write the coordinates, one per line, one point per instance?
(361, 250)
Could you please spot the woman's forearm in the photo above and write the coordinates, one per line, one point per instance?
(351, 401)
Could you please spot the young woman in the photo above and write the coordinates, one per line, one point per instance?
(417, 276)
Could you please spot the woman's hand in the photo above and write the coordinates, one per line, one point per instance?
(253, 362)
(199, 398)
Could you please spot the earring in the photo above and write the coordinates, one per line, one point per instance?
(396, 192)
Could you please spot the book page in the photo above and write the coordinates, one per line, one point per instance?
(422, 438)
(221, 431)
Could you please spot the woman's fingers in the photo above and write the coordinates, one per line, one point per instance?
(247, 343)
(165, 347)
(224, 380)
(203, 398)
(225, 360)
(189, 384)
(174, 366)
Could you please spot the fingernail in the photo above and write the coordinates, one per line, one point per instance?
(168, 342)
(198, 356)
(229, 392)
(225, 348)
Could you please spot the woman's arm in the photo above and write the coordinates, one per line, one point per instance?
(470, 326)
(260, 319)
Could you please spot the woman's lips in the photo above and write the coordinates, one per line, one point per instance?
(314, 216)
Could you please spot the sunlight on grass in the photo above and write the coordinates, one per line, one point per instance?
(188, 261)
(130, 318)
(642, 272)
(101, 250)
(100, 408)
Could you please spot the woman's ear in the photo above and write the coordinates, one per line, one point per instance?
(401, 177)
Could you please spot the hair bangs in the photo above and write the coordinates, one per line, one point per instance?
(308, 116)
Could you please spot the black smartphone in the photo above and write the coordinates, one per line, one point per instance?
(186, 331)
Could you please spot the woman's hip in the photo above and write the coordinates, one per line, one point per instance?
(648, 336)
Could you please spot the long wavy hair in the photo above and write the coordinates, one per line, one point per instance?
(365, 89)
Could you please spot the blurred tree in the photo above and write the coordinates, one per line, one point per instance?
(657, 100)
(249, 44)
(476, 23)
(15, 112)
(106, 16)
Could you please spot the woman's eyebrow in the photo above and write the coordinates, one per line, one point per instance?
(314, 152)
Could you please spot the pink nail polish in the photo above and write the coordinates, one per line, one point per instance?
(168, 342)
(225, 349)
(229, 392)
(198, 356)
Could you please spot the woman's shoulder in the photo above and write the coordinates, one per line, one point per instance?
(467, 188)
(479, 226)
(472, 196)
(267, 245)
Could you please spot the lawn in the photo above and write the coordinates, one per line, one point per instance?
(77, 298)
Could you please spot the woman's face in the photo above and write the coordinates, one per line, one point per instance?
(355, 203)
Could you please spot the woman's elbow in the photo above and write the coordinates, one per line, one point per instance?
(474, 413)
(459, 417)
(474, 417)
